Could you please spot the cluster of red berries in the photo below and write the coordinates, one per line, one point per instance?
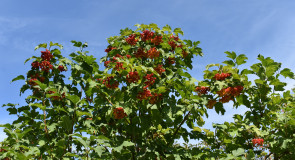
(132, 77)
(46, 66)
(140, 53)
(119, 113)
(184, 53)
(146, 35)
(175, 38)
(110, 83)
(61, 68)
(211, 103)
(46, 55)
(56, 98)
(4, 150)
(172, 44)
(155, 98)
(257, 141)
(153, 53)
(159, 69)
(157, 40)
(110, 48)
(150, 80)
(128, 56)
(119, 66)
(228, 93)
(222, 76)
(171, 60)
(202, 90)
(34, 78)
(145, 94)
(106, 63)
(131, 39)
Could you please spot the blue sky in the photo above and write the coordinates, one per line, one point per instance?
(250, 27)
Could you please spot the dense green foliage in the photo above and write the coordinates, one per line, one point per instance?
(137, 106)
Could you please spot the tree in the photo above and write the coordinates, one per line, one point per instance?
(136, 107)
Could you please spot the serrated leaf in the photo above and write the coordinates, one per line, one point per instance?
(43, 45)
(20, 77)
(167, 28)
(241, 59)
(38, 105)
(178, 31)
(79, 113)
(286, 72)
(229, 62)
(197, 129)
(238, 152)
(74, 98)
(124, 144)
(231, 55)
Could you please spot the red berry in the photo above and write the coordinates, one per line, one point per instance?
(119, 113)
(46, 55)
(146, 35)
(157, 40)
(153, 53)
(61, 68)
(131, 39)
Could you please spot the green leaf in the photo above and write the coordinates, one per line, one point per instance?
(238, 152)
(79, 113)
(241, 59)
(20, 77)
(167, 28)
(77, 44)
(66, 123)
(231, 55)
(38, 105)
(29, 59)
(55, 44)
(247, 71)
(124, 144)
(197, 129)
(99, 150)
(243, 100)
(74, 98)
(219, 108)
(178, 30)
(286, 72)
(43, 45)
(229, 62)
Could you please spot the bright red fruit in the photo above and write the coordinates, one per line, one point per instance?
(131, 39)
(110, 48)
(145, 94)
(257, 141)
(35, 65)
(119, 113)
(140, 53)
(222, 76)
(202, 90)
(211, 103)
(132, 77)
(146, 35)
(150, 80)
(157, 40)
(61, 68)
(46, 66)
(159, 69)
(153, 53)
(46, 55)
(110, 83)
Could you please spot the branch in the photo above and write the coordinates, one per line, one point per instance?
(185, 118)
